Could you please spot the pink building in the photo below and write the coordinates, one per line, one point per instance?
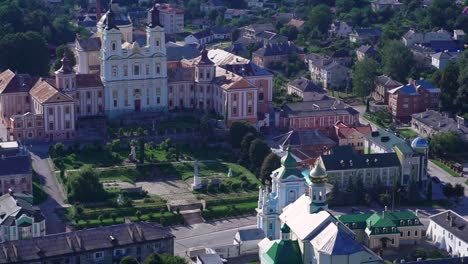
(48, 108)
(353, 136)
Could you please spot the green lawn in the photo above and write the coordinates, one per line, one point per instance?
(445, 168)
(39, 195)
(94, 157)
(407, 133)
(381, 118)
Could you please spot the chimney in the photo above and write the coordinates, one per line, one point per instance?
(98, 10)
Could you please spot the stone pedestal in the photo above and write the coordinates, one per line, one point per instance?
(196, 180)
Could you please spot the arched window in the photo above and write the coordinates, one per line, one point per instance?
(292, 196)
(113, 46)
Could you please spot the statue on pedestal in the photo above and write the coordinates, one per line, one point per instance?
(230, 173)
(196, 181)
(132, 155)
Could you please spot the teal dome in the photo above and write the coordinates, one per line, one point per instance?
(318, 171)
(288, 160)
(420, 143)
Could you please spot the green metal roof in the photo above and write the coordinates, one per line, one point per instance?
(404, 148)
(285, 229)
(318, 171)
(385, 139)
(284, 251)
(376, 220)
(353, 218)
(390, 219)
(343, 158)
(288, 160)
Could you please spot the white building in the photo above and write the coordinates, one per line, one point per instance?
(310, 234)
(448, 231)
(134, 77)
(172, 18)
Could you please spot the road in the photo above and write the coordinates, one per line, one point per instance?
(42, 166)
(210, 234)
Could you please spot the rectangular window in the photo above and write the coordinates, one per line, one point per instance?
(27, 99)
(136, 69)
(51, 126)
(158, 100)
(125, 69)
(67, 124)
(88, 109)
(234, 97)
(67, 110)
(249, 110)
(77, 109)
(88, 95)
(147, 69)
(99, 94)
(158, 69)
(115, 103)
(51, 111)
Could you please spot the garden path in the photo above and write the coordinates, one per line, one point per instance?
(168, 189)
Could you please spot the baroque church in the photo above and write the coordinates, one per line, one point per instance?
(298, 228)
(117, 75)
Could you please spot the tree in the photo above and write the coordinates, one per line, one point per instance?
(447, 80)
(397, 60)
(257, 152)
(270, 163)
(458, 191)
(364, 75)
(114, 217)
(237, 132)
(155, 258)
(429, 191)
(59, 52)
(290, 32)
(85, 186)
(358, 191)
(442, 143)
(138, 215)
(245, 146)
(128, 260)
(77, 212)
(320, 17)
(448, 190)
(27, 53)
(101, 218)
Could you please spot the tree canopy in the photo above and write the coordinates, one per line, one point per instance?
(155, 258)
(441, 143)
(397, 60)
(85, 186)
(258, 151)
(364, 75)
(270, 163)
(128, 260)
(237, 132)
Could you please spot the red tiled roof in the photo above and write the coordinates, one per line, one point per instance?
(343, 130)
(296, 23)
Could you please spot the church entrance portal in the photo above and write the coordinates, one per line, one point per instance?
(137, 105)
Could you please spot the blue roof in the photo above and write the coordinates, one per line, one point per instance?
(408, 89)
(427, 86)
(420, 142)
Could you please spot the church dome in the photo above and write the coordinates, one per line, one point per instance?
(318, 171)
(420, 143)
(288, 160)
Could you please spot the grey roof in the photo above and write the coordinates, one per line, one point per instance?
(15, 165)
(251, 234)
(176, 53)
(453, 223)
(280, 48)
(344, 158)
(445, 55)
(210, 259)
(366, 49)
(375, 32)
(248, 69)
(439, 122)
(179, 74)
(328, 106)
(387, 82)
(87, 240)
(203, 34)
(303, 137)
(384, 139)
(307, 85)
(89, 44)
(260, 27)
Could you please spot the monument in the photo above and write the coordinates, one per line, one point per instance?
(132, 155)
(230, 173)
(196, 181)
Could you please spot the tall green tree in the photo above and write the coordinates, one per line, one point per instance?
(320, 18)
(25, 53)
(397, 60)
(237, 132)
(270, 163)
(258, 151)
(245, 146)
(85, 186)
(447, 80)
(155, 258)
(442, 143)
(364, 75)
(64, 49)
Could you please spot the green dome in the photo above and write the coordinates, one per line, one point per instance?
(289, 161)
(318, 171)
(285, 229)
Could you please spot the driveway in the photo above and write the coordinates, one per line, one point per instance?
(43, 167)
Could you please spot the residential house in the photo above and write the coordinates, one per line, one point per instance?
(306, 145)
(441, 59)
(365, 35)
(378, 5)
(411, 98)
(211, 5)
(201, 38)
(16, 169)
(431, 122)
(273, 53)
(302, 230)
(253, 30)
(322, 114)
(412, 37)
(235, 13)
(448, 230)
(19, 220)
(172, 18)
(105, 245)
(327, 72)
(383, 84)
(248, 239)
(222, 33)
(306, 89)
(365, 51)
(413, 157)
(386, 230)
(459, 35)
(353, 136)
(340, 29)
